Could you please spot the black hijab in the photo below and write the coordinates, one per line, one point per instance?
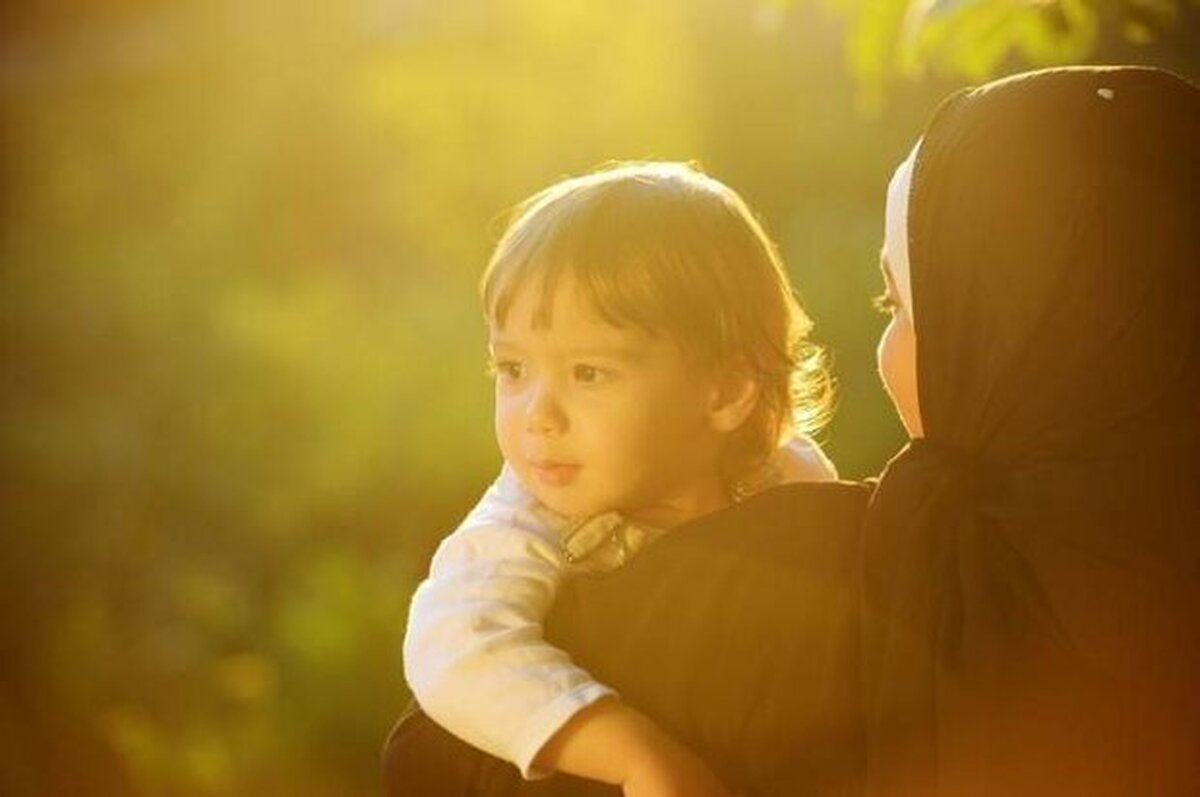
(1032, 612)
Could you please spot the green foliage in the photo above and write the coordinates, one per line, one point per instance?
(892, 40)
(244, 388)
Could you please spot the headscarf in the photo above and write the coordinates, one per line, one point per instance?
(895, 231)
(1031, 602)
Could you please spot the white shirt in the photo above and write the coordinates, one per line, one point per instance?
(475, 655)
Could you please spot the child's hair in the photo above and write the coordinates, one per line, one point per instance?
(669, 249)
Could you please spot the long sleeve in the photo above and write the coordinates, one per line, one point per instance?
(474, 653)
(802, 460)
(798, 460)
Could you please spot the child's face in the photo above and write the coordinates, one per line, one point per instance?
(595, 417)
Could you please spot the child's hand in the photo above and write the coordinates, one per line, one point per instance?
(671, 770)
(610, 742)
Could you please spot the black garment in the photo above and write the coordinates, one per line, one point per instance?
(1032, 567)
(736, 632)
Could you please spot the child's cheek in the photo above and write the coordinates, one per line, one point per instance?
(507, 425)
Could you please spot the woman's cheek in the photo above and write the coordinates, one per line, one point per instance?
(898, 368)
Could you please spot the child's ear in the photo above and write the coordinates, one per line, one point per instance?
(734, 396)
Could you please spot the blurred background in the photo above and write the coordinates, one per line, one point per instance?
(243, 385)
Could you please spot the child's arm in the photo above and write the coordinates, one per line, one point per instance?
(474, 653)
(477, 662)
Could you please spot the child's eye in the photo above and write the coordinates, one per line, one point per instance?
(506, 370)
(885, 304)
(589, 374)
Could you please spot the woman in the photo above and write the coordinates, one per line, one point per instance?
(1032, 558)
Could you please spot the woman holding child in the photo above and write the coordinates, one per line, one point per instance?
(1032, 600)
(1026, 620)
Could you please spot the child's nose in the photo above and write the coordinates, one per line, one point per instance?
(544, 412)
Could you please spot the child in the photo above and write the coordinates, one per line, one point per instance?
(651, 366)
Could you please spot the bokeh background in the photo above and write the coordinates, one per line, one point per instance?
(243, 361)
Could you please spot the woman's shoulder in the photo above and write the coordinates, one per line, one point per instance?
(811, 529)
(790, 508)
(794, 525)
(739, 628)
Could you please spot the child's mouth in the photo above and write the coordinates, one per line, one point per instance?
(554, 474)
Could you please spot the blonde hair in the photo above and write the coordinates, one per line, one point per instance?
(669, 249)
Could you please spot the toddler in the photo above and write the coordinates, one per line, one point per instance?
(651, 366)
